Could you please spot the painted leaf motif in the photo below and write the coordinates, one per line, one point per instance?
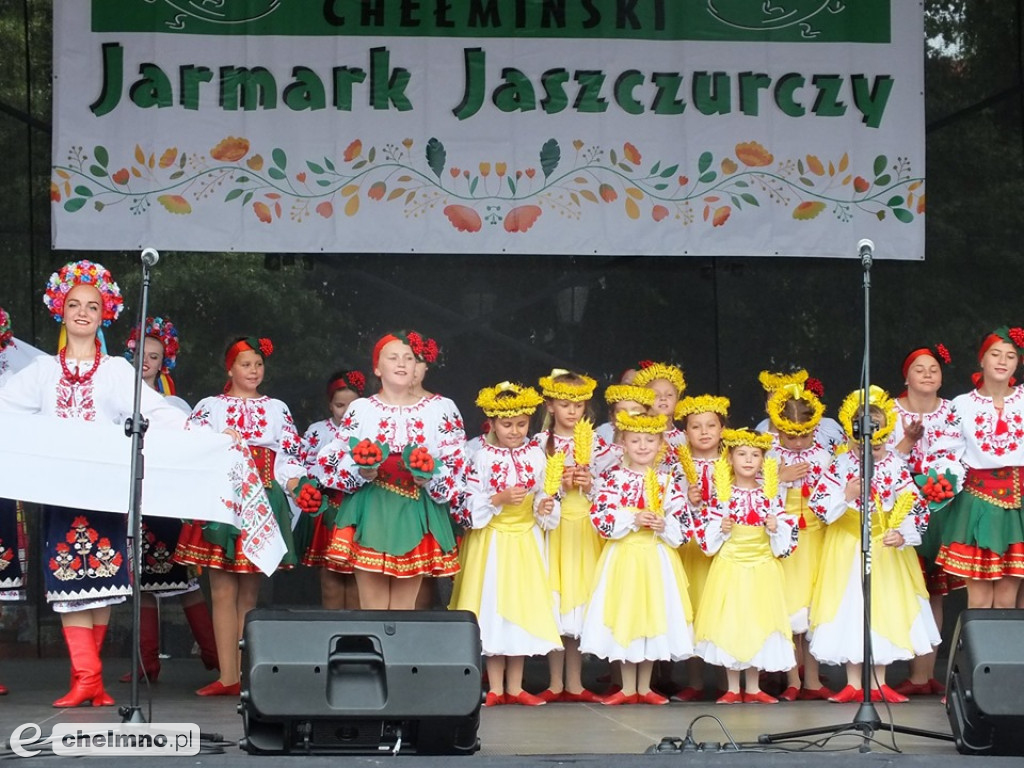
(721, 216)
(463, 218)
(632, 209)
(550, 156)
(631, 153)
(352, 206)
(168, 157)
(522, 218)
(436, 156)
(262, 211)
(815, 166)
(175, 204)
(752, 154)
(808, 210)
(229, 150)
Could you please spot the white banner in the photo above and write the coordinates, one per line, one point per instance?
(675, 127)
(87, 465)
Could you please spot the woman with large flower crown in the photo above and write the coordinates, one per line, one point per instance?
(503, 579)
(265, 426)
(902, 626)
(86, 555)
(983, 529)
(400, 459)
(161, 576)
(927, 438)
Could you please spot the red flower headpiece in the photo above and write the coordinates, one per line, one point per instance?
(262, 346)
(347, 380)
(937, 351)
(644, 364)
(356, 380)
(83, 272)
(815, 387)
(6, 334)
(425, 350)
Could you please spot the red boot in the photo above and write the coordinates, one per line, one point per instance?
(149, 645)
(85, 661)
(199, 621)
(99, 632)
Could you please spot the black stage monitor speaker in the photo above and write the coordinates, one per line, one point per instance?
(360, 682)
(985, 681)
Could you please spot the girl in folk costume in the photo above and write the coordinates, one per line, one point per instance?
(13, 357)
(703, 419)
(640, 610)
(623, 398)
(337, 587)
(795, 414)
(85, 551)
(742, 622)
(927, 438)
(983, 529)
(399, 458)
(573, 547)
(668, 384)
(265, 425)
(901, 621)
(829, 433)
(161, 577)
(504, 578)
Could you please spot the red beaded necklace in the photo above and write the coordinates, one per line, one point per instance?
(78, 378)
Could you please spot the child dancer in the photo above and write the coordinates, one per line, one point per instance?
(668, 384)
(901, 621)
(703, 419)
(640, 610)
(829, 433)
(337, 587)
(742, 623)
(983, 529)
(795, 414)
(503, 579)
(927, 438)
(265, 425)
(394, 526)
(574, 546)
(161, 576)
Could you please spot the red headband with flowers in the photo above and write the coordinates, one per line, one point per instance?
(83, 272)
(263, 347)
(1012, 336)
(6, 335)
(423, 349)
(938, 351)
(347, 380)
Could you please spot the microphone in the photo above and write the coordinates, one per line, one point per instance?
(150, 256)
(866, 249)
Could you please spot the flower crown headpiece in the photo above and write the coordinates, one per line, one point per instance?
(617, 393)
(505, 400)
(938, 351)
(771, 381)
(649, 372)
(83, 272)
(576, 392)
(6, 334)
(702, 404)
(1013, 336)
(732, 438)
(777, 403)
(650, 424)
(424, 348)
(261, 346)
(877, 397)
(354, 380)
(163, 331)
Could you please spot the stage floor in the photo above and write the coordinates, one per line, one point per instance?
(556, 731)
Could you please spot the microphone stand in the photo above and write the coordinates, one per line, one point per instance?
(866, 721)
(135, 427)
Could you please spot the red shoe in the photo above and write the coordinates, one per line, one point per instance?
(3, 690)
(87, 683)
(730, 697)
(102, 699)
(549, 696)
(585, 696)
(889, 695)
(908, 688)
(525, 698)
(815, 694)
(494, 699)
(847, 695)
(789, 694)
(217, 688)
(688, 694)
(937, 688)
(199, 621)
(619, 698)
(759, 698)
(652, 697)
(942, 701)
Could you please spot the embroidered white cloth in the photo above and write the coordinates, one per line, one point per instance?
(197, 475)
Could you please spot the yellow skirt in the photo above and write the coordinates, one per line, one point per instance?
(697, 566)
(574, 548)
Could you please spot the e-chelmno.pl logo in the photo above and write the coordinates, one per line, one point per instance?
(108, 739)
